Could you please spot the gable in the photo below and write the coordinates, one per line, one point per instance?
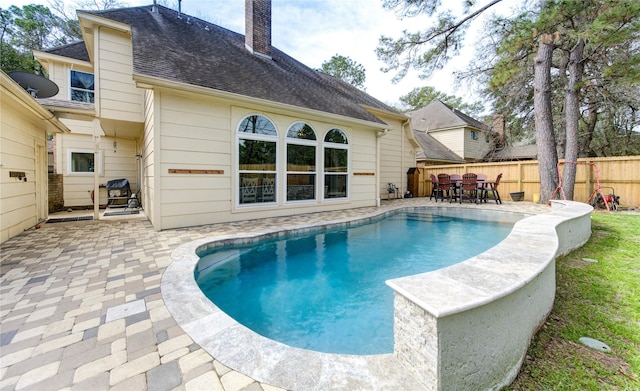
(439, 116)
(433, 149)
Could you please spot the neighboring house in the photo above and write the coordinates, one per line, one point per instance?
(213, 126)
(433, 151)
(24, 125)
(467, 138)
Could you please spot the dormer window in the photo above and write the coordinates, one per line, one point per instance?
(474, 135)
(82, 87)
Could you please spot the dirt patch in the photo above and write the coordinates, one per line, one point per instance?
(558, 352)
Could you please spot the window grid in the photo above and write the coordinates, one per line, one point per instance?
(257, 160)
(301, 146)
(82, 86)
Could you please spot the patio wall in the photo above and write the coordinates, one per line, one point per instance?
(620, 173)
(468, 326)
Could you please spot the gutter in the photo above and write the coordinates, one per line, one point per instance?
(150, 82)
(28, 102)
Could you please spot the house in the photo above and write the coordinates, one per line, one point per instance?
(433, 151)
(24, 125)
(447, 135)
(212, 126)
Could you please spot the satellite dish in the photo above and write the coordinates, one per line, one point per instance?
(37, 86)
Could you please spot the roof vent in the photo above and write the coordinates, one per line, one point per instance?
(258, 27)
(154, 8)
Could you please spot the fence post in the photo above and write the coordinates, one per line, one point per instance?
(519, 176)
(587, 180)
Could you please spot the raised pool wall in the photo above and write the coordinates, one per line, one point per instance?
(468, 326)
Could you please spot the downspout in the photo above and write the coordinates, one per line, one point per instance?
(96, 169)
(378, 137)
(402, 172)
(402, 186)
(97, 164)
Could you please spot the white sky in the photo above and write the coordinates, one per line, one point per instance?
(312, 31)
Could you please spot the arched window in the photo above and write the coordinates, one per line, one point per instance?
(257, 157)
(301, 162)
(336, 164)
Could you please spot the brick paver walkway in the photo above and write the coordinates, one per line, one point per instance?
(81, 308)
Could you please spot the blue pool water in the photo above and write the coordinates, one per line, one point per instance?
(326, 291)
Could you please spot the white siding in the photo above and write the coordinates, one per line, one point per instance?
(194, 135)
(476, 149)
(118, 96)
(454, 139)
(198, 133)
(115, 163)
(148, 158)
(397, 155)
(19, 138)
(363, 163)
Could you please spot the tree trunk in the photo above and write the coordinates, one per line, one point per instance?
(545, 140)
(572, 117)
(560, 125)
(592, 119)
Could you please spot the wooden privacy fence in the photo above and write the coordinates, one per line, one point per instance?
(619, 174)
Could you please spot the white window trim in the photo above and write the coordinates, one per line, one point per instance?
(347, 146)
(298, 141)
(75, 173)
(71, 89)
(257, 137)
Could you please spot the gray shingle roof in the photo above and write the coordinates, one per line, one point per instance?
(521, 152)
(76, 50)
(189, 50)
(437, 115)
(434, 150)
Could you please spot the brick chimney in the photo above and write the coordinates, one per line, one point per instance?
(257, 19)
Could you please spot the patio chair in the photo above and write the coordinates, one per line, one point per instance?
(444, 183)
(268, 189)
(248, 190)
(469, 187)
(435, 188)
(492, 187)
(392, 189)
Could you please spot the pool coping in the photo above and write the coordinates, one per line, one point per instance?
(269, 361)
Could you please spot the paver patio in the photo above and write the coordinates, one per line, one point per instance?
(81, 307)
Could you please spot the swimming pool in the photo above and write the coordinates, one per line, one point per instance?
(326, 291)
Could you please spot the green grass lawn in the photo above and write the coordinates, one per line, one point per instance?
(599, 300)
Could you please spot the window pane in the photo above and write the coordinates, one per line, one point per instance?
(82, 162)
(257, 124)
(302, 131)
(335, 160)
(336, 136)
(81, 80)
(335, 186)
(301, 187)
(256, 188)
(257, 155)
(301, 157)
(82, 96)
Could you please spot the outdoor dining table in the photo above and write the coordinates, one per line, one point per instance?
(456, 184)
